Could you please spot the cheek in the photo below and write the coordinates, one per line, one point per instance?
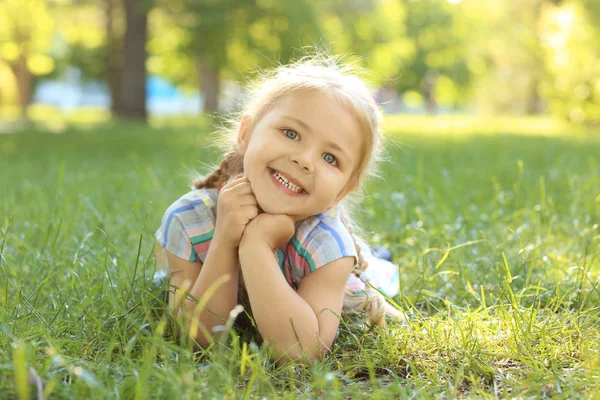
(245, 164)
(334, 182)
(346, 180)
(249, 158)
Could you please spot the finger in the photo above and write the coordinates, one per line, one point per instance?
(246, 200)
(230, 187)
(241, 188)
(239, 176)
(235, 181)
(250, 212)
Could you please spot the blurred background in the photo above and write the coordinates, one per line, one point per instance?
(135, 58)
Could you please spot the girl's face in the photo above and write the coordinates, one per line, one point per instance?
(300, 157)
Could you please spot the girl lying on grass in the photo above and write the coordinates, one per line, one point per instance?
(269, 224)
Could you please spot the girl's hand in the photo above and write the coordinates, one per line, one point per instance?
(236, 207)
(275, 230)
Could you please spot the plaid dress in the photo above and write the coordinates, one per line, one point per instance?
(188, 226)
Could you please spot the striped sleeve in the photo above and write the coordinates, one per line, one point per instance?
(187, 227)
(327, 241)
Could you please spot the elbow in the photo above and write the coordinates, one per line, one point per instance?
(298, 358)
(297, 348)
(203, 341)
(307, 357)
(298, 354)
(206, 335)
(194, 329)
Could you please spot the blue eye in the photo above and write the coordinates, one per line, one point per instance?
(290, 134)
(330, 158)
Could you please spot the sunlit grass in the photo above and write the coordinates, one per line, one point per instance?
(496, 236)
(54, 119)
(48, 118)
(466, 125)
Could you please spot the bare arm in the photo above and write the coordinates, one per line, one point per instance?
(214, 283)
(295, 324)
(219, 273)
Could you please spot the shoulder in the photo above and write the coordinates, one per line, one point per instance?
(188, 222)
(195, 201)
(328, 230)
(322, 239)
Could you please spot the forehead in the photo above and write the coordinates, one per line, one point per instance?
(326, 116)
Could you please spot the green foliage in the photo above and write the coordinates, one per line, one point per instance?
(572, 38)
(233, 37)
(80, 38)
(505, 55)
(494, 225)
(372, 31)
(497, 56)
(26, 29)
(168, 55)
(440, 34)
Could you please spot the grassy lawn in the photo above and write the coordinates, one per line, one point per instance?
(494, 225)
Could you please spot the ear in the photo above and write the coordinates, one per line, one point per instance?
(243, 134)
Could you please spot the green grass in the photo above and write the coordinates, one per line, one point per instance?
(514, 312)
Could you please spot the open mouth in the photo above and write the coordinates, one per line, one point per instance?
(284, 183)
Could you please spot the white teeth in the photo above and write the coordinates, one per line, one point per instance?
(285, 182)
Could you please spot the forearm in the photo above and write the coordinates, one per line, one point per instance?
(217, 286)
(283, 318)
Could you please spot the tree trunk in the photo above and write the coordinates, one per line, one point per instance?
(133, 85)
(22, 73)
(429, 84)
(113, 59)
(24, 78)
(534, 101)
(210, 85)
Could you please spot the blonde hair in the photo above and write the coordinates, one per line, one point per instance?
(327, 75)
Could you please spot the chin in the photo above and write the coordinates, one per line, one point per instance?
(270, 206)
(270, 210)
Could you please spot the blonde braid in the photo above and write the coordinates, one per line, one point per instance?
(372, 302)
(232, 164)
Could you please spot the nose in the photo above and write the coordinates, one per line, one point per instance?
(303, 160)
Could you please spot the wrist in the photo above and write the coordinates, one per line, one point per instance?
(220, 244)
(252, 243)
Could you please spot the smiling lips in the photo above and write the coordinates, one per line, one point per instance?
(286, 185)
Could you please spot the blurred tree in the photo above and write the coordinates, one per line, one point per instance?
(372, 30)
(113, 51)
(168, 48)
(214, 27)
(89, 38)
(506, 55)
(132, 100)
(523, 56)
(79, 39)
(228, 38)
(592, 9)
(571, 39)
(26, 29)
(438, 69)
(202, 31)
(279, 30)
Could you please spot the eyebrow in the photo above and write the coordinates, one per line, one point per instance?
(331, 144)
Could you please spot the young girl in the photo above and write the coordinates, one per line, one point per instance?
(268, 224)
